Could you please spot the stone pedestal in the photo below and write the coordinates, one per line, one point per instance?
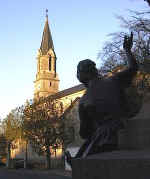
(136, 135)
(113, 165)
(131, 161)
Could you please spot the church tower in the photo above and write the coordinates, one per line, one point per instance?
(47, 81)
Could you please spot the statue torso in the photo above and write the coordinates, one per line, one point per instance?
(104, 95)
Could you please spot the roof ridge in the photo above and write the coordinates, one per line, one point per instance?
(70, 107)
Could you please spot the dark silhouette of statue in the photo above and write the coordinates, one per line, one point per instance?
(102, 106)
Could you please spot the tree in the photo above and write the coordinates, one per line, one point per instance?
(12, 126)
(112, 54)
(43, 127)
(3, 146)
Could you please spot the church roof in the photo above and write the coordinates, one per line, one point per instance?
(68, 91)
(47, 41)
(63, 93)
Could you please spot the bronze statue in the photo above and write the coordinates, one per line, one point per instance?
(101, 107)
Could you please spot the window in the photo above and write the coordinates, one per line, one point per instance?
(49, 63)
(55, 66)
(50, 84)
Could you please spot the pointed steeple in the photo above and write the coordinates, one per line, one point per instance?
(47, 41)
(47, 80)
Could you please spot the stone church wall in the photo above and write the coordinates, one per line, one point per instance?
(72, 128)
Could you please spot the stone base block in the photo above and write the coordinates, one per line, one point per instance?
(136, 136)
(113, 165)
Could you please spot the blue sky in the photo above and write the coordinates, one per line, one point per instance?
(79, 29)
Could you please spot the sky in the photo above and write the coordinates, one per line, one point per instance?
(79, 29)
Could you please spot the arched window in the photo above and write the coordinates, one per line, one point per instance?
(49, 63)
(55, 66)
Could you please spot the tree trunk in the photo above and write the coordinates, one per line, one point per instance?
(48, 158)
(26, 155)
(8, 163)
(63, 155)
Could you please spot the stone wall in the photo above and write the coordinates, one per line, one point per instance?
(72, 122)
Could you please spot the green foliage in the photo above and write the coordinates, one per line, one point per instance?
(3, 145)
(42, 125)
(12, 125)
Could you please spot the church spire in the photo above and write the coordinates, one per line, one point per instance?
(47, 41)
(47, 80)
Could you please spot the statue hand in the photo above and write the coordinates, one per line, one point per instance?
(128, 42)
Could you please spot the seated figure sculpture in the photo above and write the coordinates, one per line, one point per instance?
(101, 107)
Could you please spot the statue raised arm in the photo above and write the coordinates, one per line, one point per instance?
(125, 77)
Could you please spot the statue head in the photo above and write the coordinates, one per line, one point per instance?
(86, 71)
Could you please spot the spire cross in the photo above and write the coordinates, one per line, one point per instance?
(47, 13)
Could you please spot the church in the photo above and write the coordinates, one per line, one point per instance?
(46, 86)
(47, 80)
